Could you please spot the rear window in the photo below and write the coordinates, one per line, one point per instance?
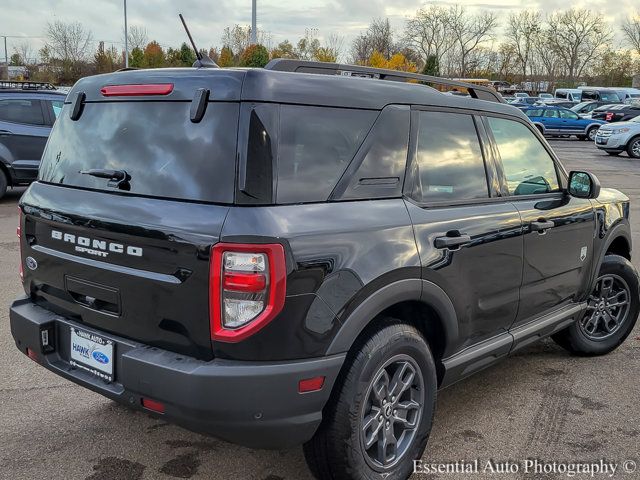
(316, 145)
(165, 154)
(21, 111)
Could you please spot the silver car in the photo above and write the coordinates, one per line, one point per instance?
(615, 138)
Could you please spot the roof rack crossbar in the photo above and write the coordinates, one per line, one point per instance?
(305, 66)
(24, 85)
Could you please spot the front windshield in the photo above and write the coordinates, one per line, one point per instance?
(577, 107)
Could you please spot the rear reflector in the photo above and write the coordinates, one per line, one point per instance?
(153, 405)
(136, 90)
(32, 355)
(310, 384)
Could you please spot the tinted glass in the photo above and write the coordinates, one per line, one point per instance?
(528, 167)
(165, 154)
(315, 147)
(566, 114)
(550, 113)
(21, 111)
(449, 159)
(534, 113)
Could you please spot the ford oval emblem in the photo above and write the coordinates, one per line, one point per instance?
(31, 263)
(100, 357)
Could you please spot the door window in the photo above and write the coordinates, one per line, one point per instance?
(528, 167)
(568, 115)
(21, 111)
(550, 113)
(450, 165)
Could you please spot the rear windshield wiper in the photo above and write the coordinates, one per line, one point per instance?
(117, 178)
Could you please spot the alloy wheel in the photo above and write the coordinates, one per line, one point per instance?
(392, 412)
(635, 148)
(592, 134)
(607, 309)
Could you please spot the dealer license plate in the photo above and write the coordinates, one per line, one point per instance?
(92, 353)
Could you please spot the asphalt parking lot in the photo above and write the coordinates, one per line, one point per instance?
(542, 403)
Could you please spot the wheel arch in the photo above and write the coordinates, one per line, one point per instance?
(617, 242)
(420, 303)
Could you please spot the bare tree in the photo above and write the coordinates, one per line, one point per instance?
(522, 31)
(137, 37)
(470, 32)
(24, 52)
(428, 32)
(377, 38)
(335, 45)
(577, 36)
(631, 30)
(68, 41)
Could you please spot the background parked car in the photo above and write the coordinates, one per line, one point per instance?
(557, 102)
(616, 113)
(525, 101)
(27, 113)
(573, 94)
(558, 121)
(585, 109)
(545, 95)
(601, 95)
(616, 138)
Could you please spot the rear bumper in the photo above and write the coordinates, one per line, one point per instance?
(255, 404)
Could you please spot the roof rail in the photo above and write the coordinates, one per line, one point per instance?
(304, 66)
(20, 85)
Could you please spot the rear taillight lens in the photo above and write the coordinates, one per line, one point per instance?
(247, 288)
(19, 233)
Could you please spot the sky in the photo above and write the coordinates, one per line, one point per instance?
(284, 19)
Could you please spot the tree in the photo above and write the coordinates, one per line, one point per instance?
(431, 66)
(325, 54)
(577, 36)
(631, 31)
(187, 55)
(284, 50)
(25, 52)
(308, 45)
(226, 57)
(470, 31)
(68, 41)
(153, 55)
(15, 60)
(522, 31)
(136, 58)
(256, 56)
(106, 60)
(137, 37)
(397, 62)
(378, 37)
(429, 33)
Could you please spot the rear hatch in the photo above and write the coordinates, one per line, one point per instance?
(131, 195)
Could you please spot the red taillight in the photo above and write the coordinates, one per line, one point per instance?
(247, 288)
(244, 282)
(19, 233)
(136, 90)
(310, 384)
(32, 355)
(153, 405)
(609, 117)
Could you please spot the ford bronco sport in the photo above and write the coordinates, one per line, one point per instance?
(306, 253)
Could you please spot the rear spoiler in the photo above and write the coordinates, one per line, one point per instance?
(324, 68)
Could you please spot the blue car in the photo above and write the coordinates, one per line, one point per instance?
(558, 121)
(27, 113)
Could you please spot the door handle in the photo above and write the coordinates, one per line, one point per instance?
(542, 225)
(453, 242)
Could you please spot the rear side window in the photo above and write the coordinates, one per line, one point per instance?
(534, 113)
(21, 111)
(528, 167)
(449, 159)
(165, 154)
(316, 144)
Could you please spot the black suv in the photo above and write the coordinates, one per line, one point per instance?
(27, 112)
(306, 253)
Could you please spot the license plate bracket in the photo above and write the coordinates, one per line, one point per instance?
(92, 353)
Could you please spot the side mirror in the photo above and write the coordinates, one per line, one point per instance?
(583, 185)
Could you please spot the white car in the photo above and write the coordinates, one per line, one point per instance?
(545, 95)
(615, 138)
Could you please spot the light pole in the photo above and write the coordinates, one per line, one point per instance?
(254, 21)
(126, 37)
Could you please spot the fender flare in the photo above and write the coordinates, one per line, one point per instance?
(403, 290)
(620, 229)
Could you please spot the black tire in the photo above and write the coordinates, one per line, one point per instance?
(4, 183)
(591, 134)
(599, 317)
(614, 154)
(337, 451)
(633, 147)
